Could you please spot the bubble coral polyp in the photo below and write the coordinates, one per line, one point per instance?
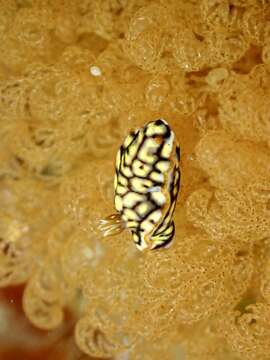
(203, 66)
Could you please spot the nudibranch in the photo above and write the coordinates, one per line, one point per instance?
(146, 186)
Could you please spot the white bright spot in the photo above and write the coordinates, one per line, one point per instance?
(95, 71)
(88, 253)
(154, 189)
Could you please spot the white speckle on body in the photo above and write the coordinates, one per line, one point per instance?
(154, 189)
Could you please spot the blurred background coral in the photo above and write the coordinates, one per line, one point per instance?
(75, 78)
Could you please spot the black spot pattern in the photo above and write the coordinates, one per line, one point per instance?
(164, 233)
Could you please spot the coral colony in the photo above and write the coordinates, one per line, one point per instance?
(75, 78)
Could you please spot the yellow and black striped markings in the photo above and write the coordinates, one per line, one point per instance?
(147, 183)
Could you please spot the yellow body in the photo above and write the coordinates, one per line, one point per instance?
(146, 185)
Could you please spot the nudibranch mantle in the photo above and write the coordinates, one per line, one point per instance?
(146, 186)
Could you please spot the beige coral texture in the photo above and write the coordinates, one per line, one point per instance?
(75, 78)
